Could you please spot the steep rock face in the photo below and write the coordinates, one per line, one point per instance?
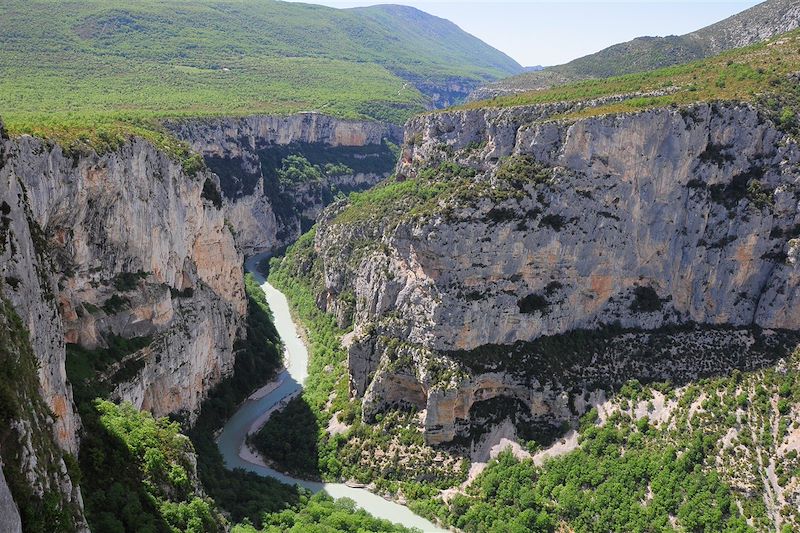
(759, 23)
(611, 226)
(224, 136)
(248, 153)
(9, 514)
(124, 245)
(31, 287)
(446, 93)
(38, 489)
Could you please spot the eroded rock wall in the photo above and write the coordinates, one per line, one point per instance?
(247, 153)
(124, 244)
(109, 249)
(661, 219)
(9, 513)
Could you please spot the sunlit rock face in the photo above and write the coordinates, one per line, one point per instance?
(683, 219)
(124, 244)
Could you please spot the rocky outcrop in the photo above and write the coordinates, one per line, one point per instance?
(123, 249)
(759, 23)
(31, 286)
(37, 488)
(248, 153)
(633, 224)
(233, 137)
(9, 513)
(123, 244)
(445, 93)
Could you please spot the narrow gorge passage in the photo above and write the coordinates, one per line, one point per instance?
(231, 440)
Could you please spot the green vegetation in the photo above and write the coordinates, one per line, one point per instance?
(523, 168)
(305, 447)
(127, 281)
(701, 464)
(759, 73)
(296, 169)
(314, 169)
(153, 486)
(24, 415)
(444, 189)
(136, 471)
(300, 423)
(321, 514)
(326, 369)
(614, 482)
(391, 197)
(135, 479)
(85, 366)
(290, 439)
(93, 72)
(692, 458)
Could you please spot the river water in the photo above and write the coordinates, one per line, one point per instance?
(231, 439)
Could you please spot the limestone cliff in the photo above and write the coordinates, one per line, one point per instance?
(9, 514)
(248, 153)
(537, 259)
(96, 250)
(125, 244)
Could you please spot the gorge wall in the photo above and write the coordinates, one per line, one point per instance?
(123, 249)
(547, 259)
(270, 209)
(133, 267)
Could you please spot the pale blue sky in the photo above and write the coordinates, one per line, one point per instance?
(538, 32)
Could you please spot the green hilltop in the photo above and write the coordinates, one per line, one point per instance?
(764, 74)
(762, 21)
(72, 66)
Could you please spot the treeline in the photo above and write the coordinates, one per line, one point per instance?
(614, 482)
(321, 514)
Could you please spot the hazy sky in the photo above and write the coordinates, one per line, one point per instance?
(549, 33)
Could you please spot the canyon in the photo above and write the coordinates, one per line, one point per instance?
(247, 155)
(605, 277)
(554, 262)
(128, 248)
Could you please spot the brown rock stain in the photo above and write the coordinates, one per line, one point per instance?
(59, 406)
(602, 285)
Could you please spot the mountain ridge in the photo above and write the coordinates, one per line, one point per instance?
(645, 53)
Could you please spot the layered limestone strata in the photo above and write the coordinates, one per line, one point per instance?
(120, 245)
(246, 154)
(632, 223)
(123, 244)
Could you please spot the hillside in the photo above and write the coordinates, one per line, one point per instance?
(758, 23)
(762, 73)
(90, 62)
(573, 309)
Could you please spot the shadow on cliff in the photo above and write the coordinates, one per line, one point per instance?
(289, 440)
(566, 375)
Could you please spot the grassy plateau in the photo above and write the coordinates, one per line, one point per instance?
(70, 69)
